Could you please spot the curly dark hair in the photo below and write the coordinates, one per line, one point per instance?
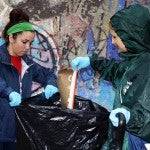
(17, 15)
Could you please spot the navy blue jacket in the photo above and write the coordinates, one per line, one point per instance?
(10, 80)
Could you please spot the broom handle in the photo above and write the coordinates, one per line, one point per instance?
(72, 90)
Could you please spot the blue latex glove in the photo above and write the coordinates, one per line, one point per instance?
(50, 90)
(15, 99)
(80, 62)
(114, 119)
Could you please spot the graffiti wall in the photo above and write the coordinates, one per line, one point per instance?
(66, 29)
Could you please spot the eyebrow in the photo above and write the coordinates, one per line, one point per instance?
(26, 40)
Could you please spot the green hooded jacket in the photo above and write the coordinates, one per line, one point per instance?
(131, 76)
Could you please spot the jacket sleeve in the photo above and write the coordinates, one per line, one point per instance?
(107, 68)
(44, 75)
(5, 90)
(139, 123)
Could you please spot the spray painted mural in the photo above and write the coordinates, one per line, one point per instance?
(66, 29)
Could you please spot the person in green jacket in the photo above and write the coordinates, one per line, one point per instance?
(130, 30)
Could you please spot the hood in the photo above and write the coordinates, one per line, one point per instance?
(132, 25)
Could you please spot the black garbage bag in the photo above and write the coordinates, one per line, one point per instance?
(45, 125)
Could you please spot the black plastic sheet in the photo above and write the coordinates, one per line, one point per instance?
(45, 125)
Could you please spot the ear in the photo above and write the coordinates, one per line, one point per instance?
(11, 39)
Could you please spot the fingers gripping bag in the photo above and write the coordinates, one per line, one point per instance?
(46, 125)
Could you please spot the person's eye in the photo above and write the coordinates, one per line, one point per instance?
(24, 42)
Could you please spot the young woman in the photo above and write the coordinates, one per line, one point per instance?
(17, 71)
(130, 29)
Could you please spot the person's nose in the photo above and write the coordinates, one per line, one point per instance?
(27, 46)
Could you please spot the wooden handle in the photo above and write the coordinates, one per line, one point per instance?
(72, 90)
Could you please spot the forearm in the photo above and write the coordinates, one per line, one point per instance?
(44, 75)
(105, 67)
(52, 79)
(5, 90)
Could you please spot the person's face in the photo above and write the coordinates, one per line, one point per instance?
(20, 45)
(117, 41)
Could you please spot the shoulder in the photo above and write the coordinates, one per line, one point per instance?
(144, 63)
(3, 52)
(145, 58)
(3, 48)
